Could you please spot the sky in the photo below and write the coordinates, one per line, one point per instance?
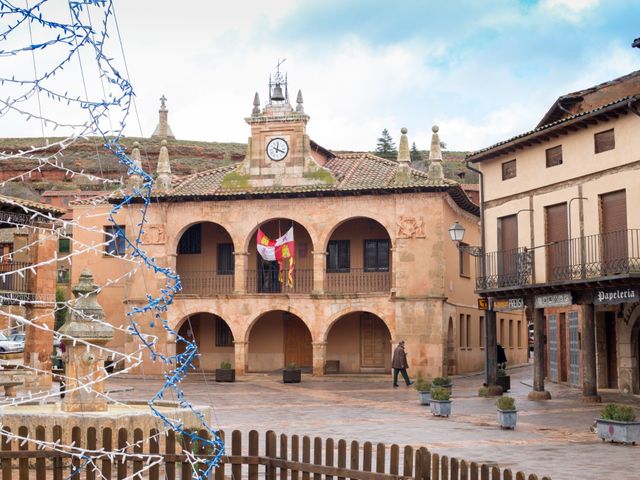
(483, 70)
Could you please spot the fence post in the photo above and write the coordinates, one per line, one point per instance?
(219, 471)
(92, 444)
(137, 449)
(121, 470)
(507, 474)
(355, 455)
(380, 460)
(407, 469)
(426, 463)
(533, 476)
(170, 448)
(317, 456)
(23, 463)
(444, 470)
(270, 452)
(254, 451)
(186, 470)
(419, 464)
(495, 473)
(236, 449)
(464, 470)
(435, 467)
(6, 447)
(366, 457)
(394, 461)
(107, 444)
(154, 449)
(41, 463)
(484, 472)
(328, 455)
(473, 471)
(306, 455)
(284, 455)
(454, 469)
(342, 455)
(520, 476)
(295, 454)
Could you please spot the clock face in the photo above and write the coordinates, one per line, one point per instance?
(277, 149)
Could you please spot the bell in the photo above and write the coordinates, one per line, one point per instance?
(277, 94)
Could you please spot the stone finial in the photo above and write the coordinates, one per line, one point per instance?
(404, 155)
(135, 180)
(163, 170)
(163, 130)
(299, 101)
(435, 156)
(256, 105)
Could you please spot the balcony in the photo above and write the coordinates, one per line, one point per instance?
(357, 280)
(205, 283)
(10, 280)
(266, 281)
(591, 258)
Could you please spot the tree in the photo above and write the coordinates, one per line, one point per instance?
(414, 153)
(386, 148)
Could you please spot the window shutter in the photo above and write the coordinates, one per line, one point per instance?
(613, 207)
(604, 141)
(554, 156)
(509, 169)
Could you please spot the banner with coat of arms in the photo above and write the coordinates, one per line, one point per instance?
(280, 250)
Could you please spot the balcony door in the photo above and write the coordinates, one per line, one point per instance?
(557, 234)
(613, 226)
(507, 250)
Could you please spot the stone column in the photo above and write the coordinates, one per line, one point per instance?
(589, 381)
(240, 272)
(538, 393)
(491, 352)
(319, 357)
(241, 355)
(319, 264)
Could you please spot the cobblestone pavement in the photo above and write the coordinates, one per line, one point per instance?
(552, 437)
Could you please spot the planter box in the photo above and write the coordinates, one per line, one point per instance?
(504, 382)
(425, 398)
(291, 376)
(441, 408)
(225, 375)
(622, 432)
(448, 387)
(507, 418)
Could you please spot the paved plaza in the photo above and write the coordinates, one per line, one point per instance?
(552, 438)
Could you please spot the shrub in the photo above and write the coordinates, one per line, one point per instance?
(440, 381)
(483, 392)
(422, 385)
(506, 403)
(502, 372)
(225, 366)
(439, 393)
(618, 413)
(292, 366)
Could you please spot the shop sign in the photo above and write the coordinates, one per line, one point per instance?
(611, 296)
(553, 300)
(483, 304)
(508, 304)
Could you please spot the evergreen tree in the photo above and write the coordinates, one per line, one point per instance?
(386, 148)
(414, 153)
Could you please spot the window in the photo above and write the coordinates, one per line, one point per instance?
(224, 337)
(519, 333)
(467, 331)
(376, 255)
(225, 259)
(64, 245)
(554, 156)
(604, 141)
(63, 275)
(461, 332)
(464, 261)
(115, 241)
(502, 332)
(510, 333)
(338, 256)
(481, 329)
(191, 240)
(509, 169)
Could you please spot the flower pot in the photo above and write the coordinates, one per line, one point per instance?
(507, 418)
(448, 387)
(291, 376)
(504, 382)
(622, 432)
(225, 375)
(441, 408)
(425, 397)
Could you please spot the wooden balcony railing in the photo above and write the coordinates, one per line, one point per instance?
(11, 280)
(357, 280)
(266, 281)
(206, 282)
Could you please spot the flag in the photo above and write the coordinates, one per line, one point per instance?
(280, 250)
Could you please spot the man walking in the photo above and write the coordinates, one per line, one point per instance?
(400, 365)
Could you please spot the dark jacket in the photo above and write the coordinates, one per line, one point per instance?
(399, 358)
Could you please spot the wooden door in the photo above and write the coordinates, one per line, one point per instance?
(297, 342)
(574, 350)
(507, 248)
(374, 338)
(557, 232)
(612, 351)
(613, 226)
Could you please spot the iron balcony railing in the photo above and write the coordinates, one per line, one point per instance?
(267, 281)
(584, 258)
(13, 281)
(357, 280)
(206, 282)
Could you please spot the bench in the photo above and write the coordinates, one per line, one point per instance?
(10, 387)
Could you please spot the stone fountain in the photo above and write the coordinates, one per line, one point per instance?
(84, 333)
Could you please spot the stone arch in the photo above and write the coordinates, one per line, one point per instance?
(324, 239)
(172, 242)
(327, 327)
(276, 338)
(358, 341)
(212, 334)
(249, 238)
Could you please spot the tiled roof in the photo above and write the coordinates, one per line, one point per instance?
(616, 104)
(355, 173)
(13, 202)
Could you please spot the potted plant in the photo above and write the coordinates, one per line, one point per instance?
(423, 387)
(503, 380)
(443, 382)
(291, 374)
(225, 373)
(440, 403)
(618, 424)
(507, 413)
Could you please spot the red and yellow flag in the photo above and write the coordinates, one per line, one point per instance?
(281, 250)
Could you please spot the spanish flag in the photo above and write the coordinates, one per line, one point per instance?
(281, 250)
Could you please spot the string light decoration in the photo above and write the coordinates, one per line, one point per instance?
(59, 73)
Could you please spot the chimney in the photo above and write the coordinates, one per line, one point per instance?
(163, 182)
(163, 130)
(435, 157)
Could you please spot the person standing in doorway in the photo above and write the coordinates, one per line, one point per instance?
(400, 365)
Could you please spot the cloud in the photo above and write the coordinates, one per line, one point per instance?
(571, 10)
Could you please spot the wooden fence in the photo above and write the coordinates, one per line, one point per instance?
(275, 457)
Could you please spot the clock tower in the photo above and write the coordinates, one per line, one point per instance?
(279, 151)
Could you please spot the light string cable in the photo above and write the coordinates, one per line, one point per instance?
(76, 36)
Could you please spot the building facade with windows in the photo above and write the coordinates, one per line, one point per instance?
(373, 263)
(563, 234)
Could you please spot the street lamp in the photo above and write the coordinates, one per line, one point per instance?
(457, 234)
